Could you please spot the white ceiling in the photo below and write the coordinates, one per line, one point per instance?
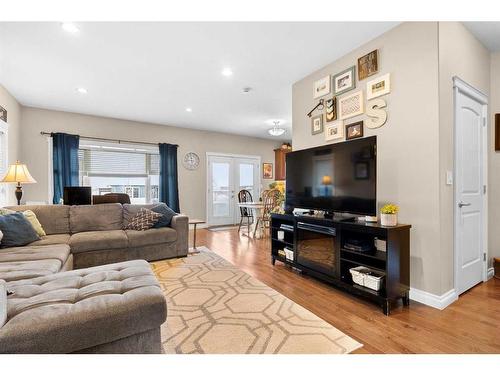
(486, 32)
(152, 72)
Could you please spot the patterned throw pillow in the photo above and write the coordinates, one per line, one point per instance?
(145, 219)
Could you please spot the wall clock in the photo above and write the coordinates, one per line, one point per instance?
(191, 161)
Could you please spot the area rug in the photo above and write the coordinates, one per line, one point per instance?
(215, 308)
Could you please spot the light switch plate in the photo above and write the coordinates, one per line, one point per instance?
(449, 178)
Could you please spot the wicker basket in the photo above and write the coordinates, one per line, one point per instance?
(497, 267)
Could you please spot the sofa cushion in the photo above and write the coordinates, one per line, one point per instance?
(53, 218)
(97, 217)
(138, 238)
(130, 210)
(52, 239)
(98, 240)
(17, 230)
(83, 308)
(3, 303)
(144, 220)
(18, 263)
(167, 213)
(35, 223)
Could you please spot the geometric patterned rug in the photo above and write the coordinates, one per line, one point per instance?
(215, 308)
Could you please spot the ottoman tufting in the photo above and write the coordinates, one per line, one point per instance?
(115, 308)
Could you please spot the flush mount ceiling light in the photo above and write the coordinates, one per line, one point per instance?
(276, 131)
(70, 27)
(81, 90)
(227, 72)
(188, 109)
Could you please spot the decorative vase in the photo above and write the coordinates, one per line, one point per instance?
(389, 220)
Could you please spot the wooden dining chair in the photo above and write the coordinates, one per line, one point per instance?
(270, 200)
(244, 196)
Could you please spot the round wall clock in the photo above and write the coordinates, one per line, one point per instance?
(191, 161)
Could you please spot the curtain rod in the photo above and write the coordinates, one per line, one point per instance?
(109, 140)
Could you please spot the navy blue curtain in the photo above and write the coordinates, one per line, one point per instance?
(65, 162)
(169, 187)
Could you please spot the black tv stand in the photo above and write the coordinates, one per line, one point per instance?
(394, 263)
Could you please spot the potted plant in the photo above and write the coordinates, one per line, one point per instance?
(389, 215)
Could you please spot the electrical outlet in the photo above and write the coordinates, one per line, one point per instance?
(449, 178)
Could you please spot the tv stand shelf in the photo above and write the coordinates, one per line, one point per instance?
(394, 263)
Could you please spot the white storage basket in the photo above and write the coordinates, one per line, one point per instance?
(367, 277)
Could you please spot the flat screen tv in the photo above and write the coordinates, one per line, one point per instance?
(339, 177)
(77, 195)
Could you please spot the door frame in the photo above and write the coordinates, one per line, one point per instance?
(462, 87)
(257, 158)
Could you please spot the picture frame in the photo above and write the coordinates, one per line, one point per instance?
(362, 170)
(378, 87)
(331, 109)
(368, 65)
(354, 130)
(3, 114)
(344, 81)
(317, 125)
(334, 131)
(267, 171)
(351, 105)
(497, 131)
(321, 87)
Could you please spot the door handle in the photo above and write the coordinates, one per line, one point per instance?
(462, 204)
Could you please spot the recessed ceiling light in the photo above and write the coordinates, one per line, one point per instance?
(226, 72)
(70, 27)
(246, 90)
(81, 90)
(189, 109)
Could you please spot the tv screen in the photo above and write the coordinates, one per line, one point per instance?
(340, 177)
(77, 195)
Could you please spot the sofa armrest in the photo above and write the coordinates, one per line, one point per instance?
(181, 224)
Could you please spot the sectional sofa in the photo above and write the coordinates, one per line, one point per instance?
(86, 287)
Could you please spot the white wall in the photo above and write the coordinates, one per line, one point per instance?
(14, 120)
(191, 183)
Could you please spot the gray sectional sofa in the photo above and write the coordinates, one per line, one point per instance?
(108, 308)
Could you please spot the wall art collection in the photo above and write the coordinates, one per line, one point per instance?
(353, 104)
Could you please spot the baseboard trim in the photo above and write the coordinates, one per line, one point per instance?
(429, 299)
(491, 273)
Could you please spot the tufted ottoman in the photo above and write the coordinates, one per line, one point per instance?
(115, 308)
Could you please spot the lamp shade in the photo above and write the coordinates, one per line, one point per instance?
(326, 180)
(18, 173)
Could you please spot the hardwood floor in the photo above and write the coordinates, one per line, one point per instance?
(470, 325)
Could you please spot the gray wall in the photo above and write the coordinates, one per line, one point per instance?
(192, 184)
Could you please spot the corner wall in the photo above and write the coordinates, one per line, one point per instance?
(192, 184)
(408, 144)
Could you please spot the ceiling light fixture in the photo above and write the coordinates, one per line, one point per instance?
(276, 131)
(226, 72)
(70, 27)
(81, 90)
(189, 109)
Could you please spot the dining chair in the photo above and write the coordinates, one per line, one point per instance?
(244, 196)
(270, 200)
(111, 198)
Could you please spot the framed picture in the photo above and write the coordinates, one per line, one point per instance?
(267, 171)
(321, 87)
(351, 105)
(497, 131)
(362, 170)
(3, 114)
(331, 109)
(344, 81)
(368, 65)
(334, 131)
(378, 87)
(354, 130)
(317, 125)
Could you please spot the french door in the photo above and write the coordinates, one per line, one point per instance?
(226, 176)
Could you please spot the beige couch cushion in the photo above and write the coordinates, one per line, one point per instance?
(54, 218)
(96, 217)
(83, 308)
(98, 240)
(19, 263)
(52, 239)
(150, 237)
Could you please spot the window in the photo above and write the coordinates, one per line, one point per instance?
(4, 153)
(120, 168)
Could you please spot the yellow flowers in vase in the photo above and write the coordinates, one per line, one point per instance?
(389, 215)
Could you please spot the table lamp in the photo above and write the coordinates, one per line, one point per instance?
(18, 173)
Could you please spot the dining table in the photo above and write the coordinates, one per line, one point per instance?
(257, 211)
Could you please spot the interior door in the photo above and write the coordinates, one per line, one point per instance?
(469, 191)
(220, 190)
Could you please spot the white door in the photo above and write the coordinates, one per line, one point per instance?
(470, 188)
(226, 176)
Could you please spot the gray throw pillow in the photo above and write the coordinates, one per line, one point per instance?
(17, 230)
(167, 213)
